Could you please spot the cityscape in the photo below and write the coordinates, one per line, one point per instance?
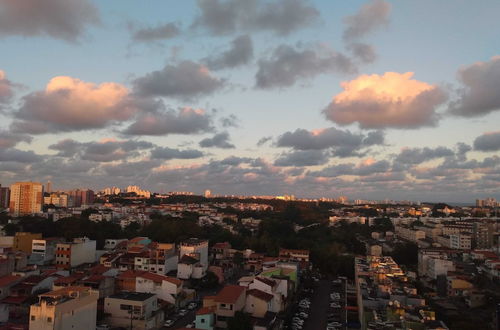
(249, 165)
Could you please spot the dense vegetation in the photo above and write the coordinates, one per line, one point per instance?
(293, 225)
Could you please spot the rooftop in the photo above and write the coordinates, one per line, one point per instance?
(135, 296)
(230, 294)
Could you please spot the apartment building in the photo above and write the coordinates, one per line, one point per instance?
(196, 248)
(23, 241)
(4, 197)
(81, 250)
(26, 198)
(57, 199)
(133, 310)
(43, 251)
(408, 233)
(68, 308)
(461, 241)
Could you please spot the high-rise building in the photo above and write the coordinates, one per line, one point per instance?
(56, 199)
(4, 197)
(48, 187)
(26, 198)
(79, 197)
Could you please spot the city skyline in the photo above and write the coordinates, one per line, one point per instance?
(305, 98)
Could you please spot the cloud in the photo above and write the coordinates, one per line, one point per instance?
(365, 168)
(169, 153)
(371, 16)
(9, 139)
(20, 156)
(282, 17)
(229, 121)
(66, 147)
(219, 140)
(60, 19)
(240, 53)
(156, 33)
(364, 52)
(419, 155)
(287, 65)
(302, 158)
(185, 80)
(101, 151)
(488, 142)
(391, 100)
(6, 88)
(264, 140)
(479, 94)
(183, 121)
(69, 104)
(342, 143)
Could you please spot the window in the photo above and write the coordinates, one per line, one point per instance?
(125, 307)
(49, 319)
(202, 320)
(33, 318)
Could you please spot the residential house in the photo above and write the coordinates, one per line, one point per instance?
(135, 310)
(166, 288)
(68, 308)
(229, 300)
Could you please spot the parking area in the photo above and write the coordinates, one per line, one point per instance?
(321, 306)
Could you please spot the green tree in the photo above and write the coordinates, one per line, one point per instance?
(240, 321)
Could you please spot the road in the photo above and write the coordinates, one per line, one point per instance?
(320, 302)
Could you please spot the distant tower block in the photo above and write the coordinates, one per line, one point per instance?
(48, 187)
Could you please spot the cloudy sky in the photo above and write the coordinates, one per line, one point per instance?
(370, 99)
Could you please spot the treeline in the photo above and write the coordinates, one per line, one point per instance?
(332, 248)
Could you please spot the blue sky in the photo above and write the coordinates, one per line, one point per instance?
(281, 83)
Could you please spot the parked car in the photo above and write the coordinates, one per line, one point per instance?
(192, 305)
(103, 327)
(183, 312)
(168, 323)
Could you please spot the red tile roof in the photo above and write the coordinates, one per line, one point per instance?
(260, 294)
(68, 279)
(224, 245)
(14, 300)
(205, 310)
(230, 294)
(160, 278)
(130, 274)
(9, 279)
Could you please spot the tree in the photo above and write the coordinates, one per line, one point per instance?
(405, 253)
(240, 321)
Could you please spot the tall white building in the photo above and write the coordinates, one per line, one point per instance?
(197, 249)
(80, 251)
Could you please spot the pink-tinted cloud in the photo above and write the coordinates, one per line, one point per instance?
(182, 121)
(70, 104)
(61, 19)
(390, 100)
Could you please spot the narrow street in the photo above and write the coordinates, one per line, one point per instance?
(320, 302)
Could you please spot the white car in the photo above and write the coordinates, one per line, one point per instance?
(169, 323)
(334, 324)
(192, 306)
(183, 312)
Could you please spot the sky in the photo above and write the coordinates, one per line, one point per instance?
(372, 99)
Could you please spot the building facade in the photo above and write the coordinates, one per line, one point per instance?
(26, 198)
